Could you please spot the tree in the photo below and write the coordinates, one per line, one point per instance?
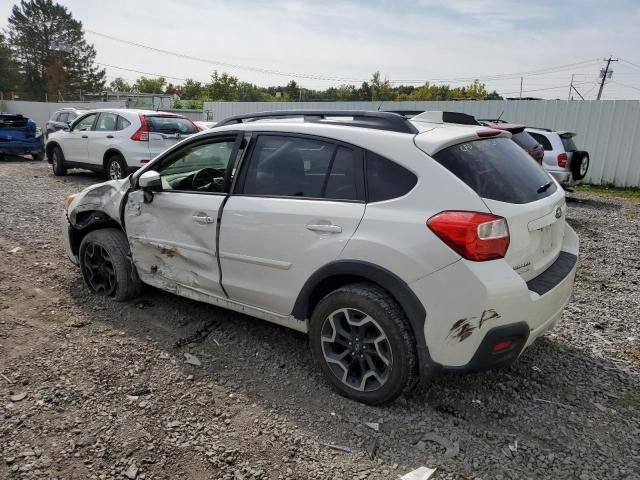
(9, 76)
(381, 89)
(51, 52)
(119, 85)
(192, 90)
(150, 85)
(223, 87)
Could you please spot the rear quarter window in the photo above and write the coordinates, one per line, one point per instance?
(387, 179)
(497, 169)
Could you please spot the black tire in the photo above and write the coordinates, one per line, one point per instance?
(115, 168)
(117, 270)
(57, 162)
(579, 164)
(38, 156)
(389, 319)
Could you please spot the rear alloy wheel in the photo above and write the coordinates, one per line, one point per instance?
(360, 338)
(106, 266)
(57, 162)
(116, 167)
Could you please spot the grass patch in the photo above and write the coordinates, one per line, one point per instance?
(633, 353)
(629, 193)
(629, 401)
(562, 346)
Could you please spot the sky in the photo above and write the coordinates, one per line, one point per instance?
(321, 43)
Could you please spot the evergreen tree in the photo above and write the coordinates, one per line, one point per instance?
(52, 54)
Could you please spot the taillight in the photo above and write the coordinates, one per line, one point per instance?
(562, 160)
(475, 236)
(142, 134)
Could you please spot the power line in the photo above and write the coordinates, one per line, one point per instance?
(141, 72)
(624, 85)
(496, 77)
(226, 64)
(544, 89)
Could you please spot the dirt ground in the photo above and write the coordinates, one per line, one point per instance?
(93, 389)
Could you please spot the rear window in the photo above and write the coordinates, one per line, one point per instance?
(569, 144)
(497, 169)
(13, 121)
(525, 140)
(161, 124)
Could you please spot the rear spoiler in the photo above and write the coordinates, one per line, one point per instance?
(566, 134)
(446, 117)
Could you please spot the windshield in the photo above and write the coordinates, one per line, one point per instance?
(497, 169)
(172, 124)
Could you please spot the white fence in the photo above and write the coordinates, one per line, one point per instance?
(41, 112)
(609, 130)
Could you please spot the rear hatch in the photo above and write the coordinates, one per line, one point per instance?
(167, 130)
(515, 187)
(568, 144)
(16, 128)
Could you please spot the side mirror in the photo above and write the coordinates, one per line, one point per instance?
(150, 180)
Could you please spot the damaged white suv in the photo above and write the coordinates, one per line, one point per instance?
(402, 247)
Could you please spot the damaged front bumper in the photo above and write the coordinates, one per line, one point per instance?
(66, 229)
(489, 314)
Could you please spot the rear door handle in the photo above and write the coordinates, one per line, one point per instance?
(325, 228)
(85, 136)
(109, 136)
(203, 219)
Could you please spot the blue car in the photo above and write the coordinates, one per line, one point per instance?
(20, 136)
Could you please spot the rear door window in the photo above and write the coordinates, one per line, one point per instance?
(497, 169)
(107, 122)
(296, 166)
(544, 141)
(387, 179)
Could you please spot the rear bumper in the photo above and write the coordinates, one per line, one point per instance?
(22, 147)
(564, 178)
(488, 302)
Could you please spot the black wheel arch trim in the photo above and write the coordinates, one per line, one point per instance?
(113, 152)
(398, 288)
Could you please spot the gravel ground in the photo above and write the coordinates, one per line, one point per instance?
(92, 389)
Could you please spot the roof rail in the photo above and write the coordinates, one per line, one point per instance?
(365, 119)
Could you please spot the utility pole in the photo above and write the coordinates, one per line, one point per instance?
(572, 87)
(520, 97)
(604, 73)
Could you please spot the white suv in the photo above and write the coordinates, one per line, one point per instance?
(400, 246)
(115, 141)
(562, 159)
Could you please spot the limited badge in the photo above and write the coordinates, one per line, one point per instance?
(558, 212)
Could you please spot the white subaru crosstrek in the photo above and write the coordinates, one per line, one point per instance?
(402, 247)
(115, 142)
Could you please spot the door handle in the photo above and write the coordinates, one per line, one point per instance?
(203, 219)
(85, 136)
(325, 228)
(109, 136)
